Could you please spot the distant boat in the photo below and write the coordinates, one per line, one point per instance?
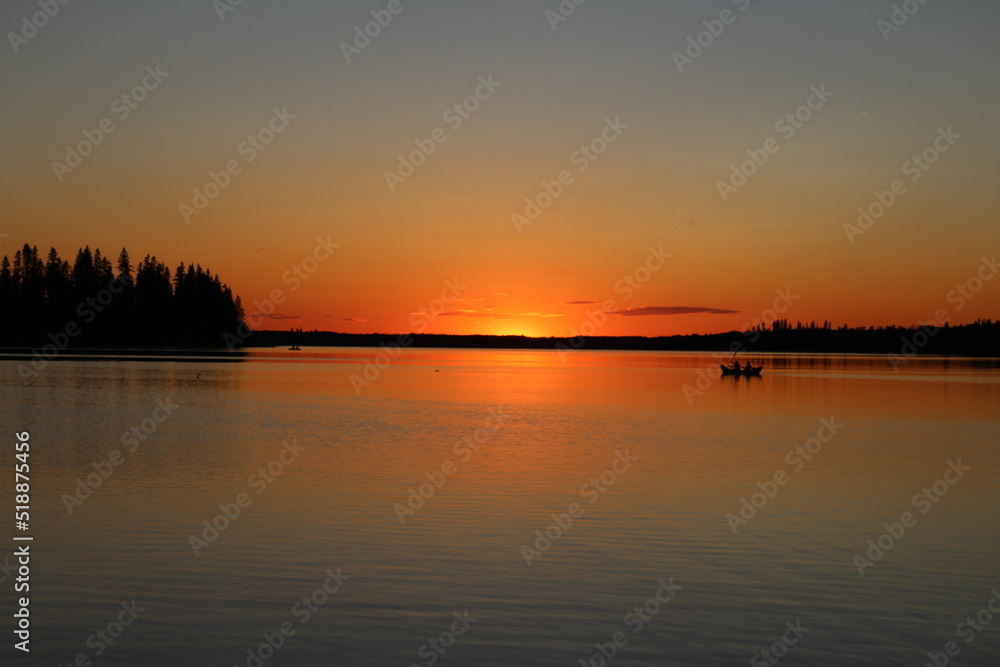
(295, 348)
(748, 371)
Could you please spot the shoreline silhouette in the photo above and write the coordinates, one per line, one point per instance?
(970, 340)
(95, 305)
(977, 339)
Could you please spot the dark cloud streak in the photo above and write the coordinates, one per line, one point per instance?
(672, 310)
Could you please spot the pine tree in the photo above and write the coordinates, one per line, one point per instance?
(124, 304)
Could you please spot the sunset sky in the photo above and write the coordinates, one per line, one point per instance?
(609, 68)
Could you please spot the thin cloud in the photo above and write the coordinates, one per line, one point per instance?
(580, 303)
(489, 315)
(353, 319)
(671, 310)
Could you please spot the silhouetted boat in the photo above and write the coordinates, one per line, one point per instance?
(749, 371)
(295, 348)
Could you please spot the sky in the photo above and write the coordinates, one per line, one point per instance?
(630, 164)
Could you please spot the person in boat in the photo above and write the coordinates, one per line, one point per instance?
(736, 365)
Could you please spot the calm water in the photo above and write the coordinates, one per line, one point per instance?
(691, 459)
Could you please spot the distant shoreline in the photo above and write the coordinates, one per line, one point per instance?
(970, 340)
(223, 355)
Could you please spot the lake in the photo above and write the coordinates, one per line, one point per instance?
(503, 507)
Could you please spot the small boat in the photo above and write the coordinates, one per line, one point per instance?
(295, 348)
(748, 371)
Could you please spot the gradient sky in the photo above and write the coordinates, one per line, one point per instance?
(656, 185)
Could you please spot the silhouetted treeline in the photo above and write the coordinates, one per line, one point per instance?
(100, 302)
(978, 339)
